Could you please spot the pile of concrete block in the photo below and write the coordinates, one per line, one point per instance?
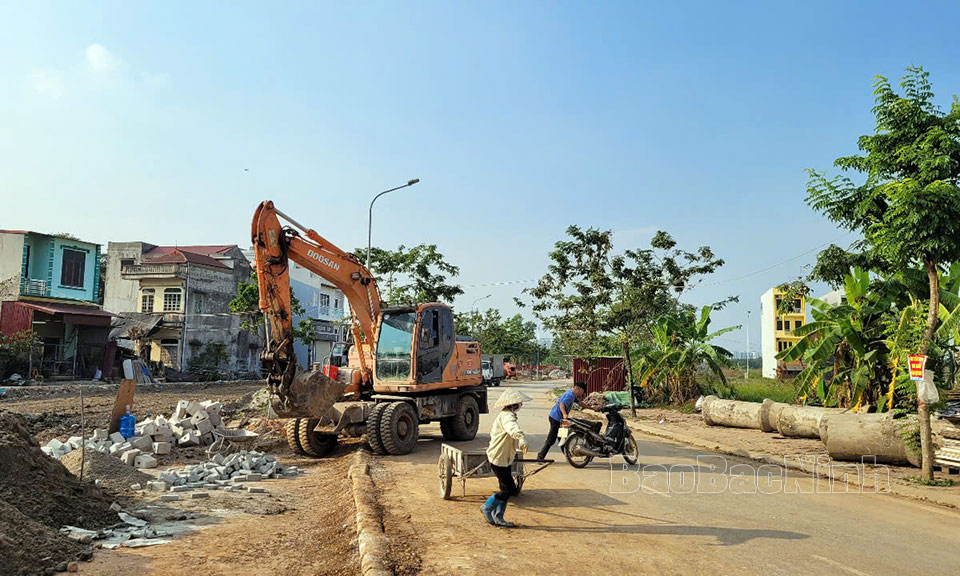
(191, 424)
(194, 423)
(136, 451)
(228, 473)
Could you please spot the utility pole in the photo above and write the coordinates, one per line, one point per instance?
(370, 216)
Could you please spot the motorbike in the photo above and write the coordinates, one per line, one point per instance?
(582, 441)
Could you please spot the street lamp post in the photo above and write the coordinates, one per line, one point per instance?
(474, 307)
(370, 215)
(746, 375)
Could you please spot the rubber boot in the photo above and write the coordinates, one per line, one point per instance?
(488, 509)
(498, 511)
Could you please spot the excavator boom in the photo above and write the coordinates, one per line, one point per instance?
(295, 393)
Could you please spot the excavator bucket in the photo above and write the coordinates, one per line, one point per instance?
(311, 395)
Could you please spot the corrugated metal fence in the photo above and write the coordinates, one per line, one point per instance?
(601, 374)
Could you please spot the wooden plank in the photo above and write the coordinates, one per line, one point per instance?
(124, 398)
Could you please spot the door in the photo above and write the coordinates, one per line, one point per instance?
(428, 348)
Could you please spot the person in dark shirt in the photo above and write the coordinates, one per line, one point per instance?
(559, 414)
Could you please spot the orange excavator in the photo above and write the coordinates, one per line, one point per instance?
(406, 366)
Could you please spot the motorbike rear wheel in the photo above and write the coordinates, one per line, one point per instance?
(571, 452)
(631, 452)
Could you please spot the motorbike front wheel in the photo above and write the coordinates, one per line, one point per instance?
(631, 452)
(571, 451)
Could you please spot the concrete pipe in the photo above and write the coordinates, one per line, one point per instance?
(770, 414)
(801, 421)
(849, 436)
(719, 412)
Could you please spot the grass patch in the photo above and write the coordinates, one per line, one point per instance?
(939, 482)
(558, 391)
(757, 388)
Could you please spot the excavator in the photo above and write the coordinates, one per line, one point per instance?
(406, 365)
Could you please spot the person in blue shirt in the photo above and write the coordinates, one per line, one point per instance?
(558, 415)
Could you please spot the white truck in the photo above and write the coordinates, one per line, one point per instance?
(492, 369)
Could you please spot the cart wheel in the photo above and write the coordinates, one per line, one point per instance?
(445, 476)
(519, 479)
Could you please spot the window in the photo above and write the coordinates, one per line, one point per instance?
(146, 300)
(336, 303)
(197, 303)
(71, 272)
(394, 345)
(324, 300)
(124, 262)
(797, 324)
(779, 324)
(171, 300)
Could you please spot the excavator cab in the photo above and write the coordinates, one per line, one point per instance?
(415, 345)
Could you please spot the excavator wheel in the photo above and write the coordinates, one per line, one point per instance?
(446, 428)
(314, 443)
(373, 429)
(399, 428)
(467, 420)
(293, 438)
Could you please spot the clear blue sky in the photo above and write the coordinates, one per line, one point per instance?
(168, 122)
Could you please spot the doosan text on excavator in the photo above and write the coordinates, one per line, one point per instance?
(406, 366)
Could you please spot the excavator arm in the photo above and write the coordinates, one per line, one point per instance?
(295, 393)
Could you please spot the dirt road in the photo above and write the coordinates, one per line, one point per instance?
(601, 520)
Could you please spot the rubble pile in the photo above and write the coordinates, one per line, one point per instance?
(37, 497)
(191, 424)
(229, 473)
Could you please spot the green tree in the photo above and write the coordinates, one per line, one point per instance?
(247, 303)
(413, 275)
(513, 337)
(908, 206)
(681, 346)
(595, 300)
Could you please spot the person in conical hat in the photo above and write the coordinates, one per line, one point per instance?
(506, 438)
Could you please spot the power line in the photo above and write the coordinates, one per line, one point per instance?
(698, 284)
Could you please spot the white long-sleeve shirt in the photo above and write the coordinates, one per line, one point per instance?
(506, 438)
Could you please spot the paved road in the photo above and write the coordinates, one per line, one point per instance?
(604, 519)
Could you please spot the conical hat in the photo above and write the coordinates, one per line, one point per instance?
(511, 397)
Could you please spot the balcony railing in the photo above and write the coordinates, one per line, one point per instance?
(34, 287)
(152, 271)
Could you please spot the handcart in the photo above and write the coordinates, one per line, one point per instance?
(461, 464)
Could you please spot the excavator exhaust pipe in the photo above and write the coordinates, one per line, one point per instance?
(311, 395)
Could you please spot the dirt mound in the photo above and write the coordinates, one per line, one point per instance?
(29, 547)
(45, 497)
(113, 474)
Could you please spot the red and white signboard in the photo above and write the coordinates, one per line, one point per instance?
(917, 362)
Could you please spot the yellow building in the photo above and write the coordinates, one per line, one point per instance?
(777, 331)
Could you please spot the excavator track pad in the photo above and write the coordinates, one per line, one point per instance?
(311, 394)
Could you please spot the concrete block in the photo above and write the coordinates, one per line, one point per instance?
(183, 488)
(142, 443)
(207, 439)
(145, 461)
(75, 442)
(203, 425)
(100, 434)
(180, 412)
(253, 490)
(117, 438)
(48, 451)
(254, 477)
(136, 487)
(189, 438)
(157, 486)
(169, 497)
(161, 447)
(130, 456)
(115, 507)
(199, 495)
(148, 429)
(193, 407)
